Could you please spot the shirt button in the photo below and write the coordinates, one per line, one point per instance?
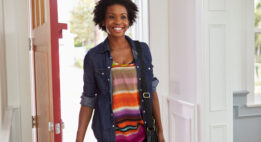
(140, 90)
(144, 111)
(113, 126)
(110, 57)
(109, 67)
(139, 78)
(137, 66)
(149, 68)
(145, 122)
(108, 79)
(142, 100)
(102, 73)
(95, 94)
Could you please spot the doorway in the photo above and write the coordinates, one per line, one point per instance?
(80, 36)
(72, 49)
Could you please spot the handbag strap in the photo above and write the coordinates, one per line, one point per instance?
(145, 94)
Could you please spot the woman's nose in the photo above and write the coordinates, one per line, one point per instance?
(118, 20)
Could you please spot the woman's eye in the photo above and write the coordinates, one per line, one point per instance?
(111, 17)
(123, 17)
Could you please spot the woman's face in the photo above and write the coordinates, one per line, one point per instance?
(116, 20)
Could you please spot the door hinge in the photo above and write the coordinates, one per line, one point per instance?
(50, 126)
(57, 128)
(34, 122)
(31, 44)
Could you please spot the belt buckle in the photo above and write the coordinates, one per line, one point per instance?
(146, 95)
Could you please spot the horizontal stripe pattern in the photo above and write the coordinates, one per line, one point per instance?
(126, 104)
(122, 80)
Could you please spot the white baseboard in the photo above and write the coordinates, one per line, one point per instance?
(5, 131)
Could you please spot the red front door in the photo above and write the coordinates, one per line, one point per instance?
(45, 33)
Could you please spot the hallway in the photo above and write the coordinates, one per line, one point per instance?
(203, 52)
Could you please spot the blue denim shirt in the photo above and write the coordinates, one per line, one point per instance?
(97, 89)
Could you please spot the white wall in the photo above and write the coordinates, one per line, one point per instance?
(17, 62)
(185, 67)
(5, 114)
(183, 15)
(11, 38)
(158, 22)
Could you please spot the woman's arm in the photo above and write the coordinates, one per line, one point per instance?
(156, 114)
(84, 119)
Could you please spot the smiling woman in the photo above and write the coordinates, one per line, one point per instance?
(81, 36)
(118, 81)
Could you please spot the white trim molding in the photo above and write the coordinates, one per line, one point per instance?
(221, 67)
(141, 29)
(182, 121)
(250, 51)
(218, 133)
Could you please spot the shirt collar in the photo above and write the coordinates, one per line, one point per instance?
(106, 47)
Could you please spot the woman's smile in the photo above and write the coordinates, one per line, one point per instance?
(118, 29)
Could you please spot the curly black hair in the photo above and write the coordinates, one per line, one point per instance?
(101, 8)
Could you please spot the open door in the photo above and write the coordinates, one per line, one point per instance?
(45, 41)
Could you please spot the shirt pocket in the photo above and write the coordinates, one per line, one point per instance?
(102, 78)
(148, 68)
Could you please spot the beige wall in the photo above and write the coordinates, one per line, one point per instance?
(3, 97)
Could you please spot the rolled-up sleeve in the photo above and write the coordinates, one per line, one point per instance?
(147, 53)
(155, 83)
(89, 94)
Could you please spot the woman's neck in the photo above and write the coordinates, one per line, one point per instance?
(117, 42)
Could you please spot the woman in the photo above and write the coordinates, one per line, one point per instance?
(112, 80)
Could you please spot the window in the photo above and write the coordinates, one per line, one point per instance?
(141, 27)
(257, 46)
(257, 51)
(253, 44)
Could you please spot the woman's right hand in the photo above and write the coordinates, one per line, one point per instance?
(84, 119)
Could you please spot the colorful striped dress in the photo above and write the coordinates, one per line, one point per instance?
(126, 104)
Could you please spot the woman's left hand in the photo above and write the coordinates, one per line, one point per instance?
(161, 137)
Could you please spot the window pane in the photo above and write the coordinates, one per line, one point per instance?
(257, 13)
(258, 64)
(257, 47)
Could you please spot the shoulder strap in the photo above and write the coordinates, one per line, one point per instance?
(145, 94)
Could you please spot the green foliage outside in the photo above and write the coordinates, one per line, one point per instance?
(257, 25)
(258, 48)
(77, 43)
(79, 63)
(81, 23)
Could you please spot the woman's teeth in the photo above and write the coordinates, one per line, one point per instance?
(117, 29)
